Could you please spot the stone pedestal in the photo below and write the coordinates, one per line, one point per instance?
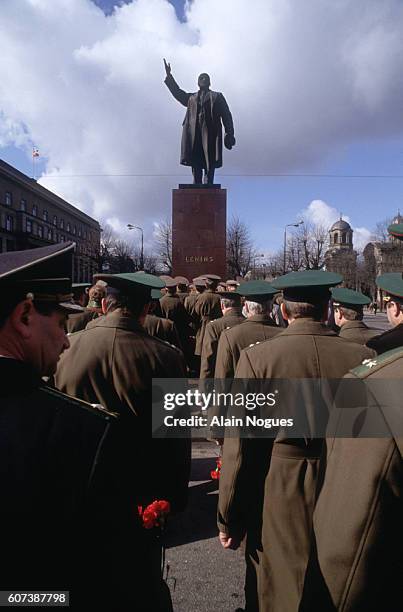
(199, 222)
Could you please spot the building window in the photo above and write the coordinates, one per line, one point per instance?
(28, 226)
(68, 227)
(10, 246)
(9, 223)
(62, 238)
(55, 220)
(343, 238)
(23, 204)
(336, 237)
(74, 230)
(45, 215)
(34, 210)
(9, 198)
(79, 232)
(57, 237)
(40, 231)
(50, 237)
(61, 223)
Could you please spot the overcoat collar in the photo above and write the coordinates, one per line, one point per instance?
(355, 325)
(307, 326)
(261, 318)
(233, 312)
(119, 321)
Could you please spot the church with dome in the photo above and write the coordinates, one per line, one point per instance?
(378, 257)
(385, 256)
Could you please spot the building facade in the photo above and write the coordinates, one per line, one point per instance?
(32, 216)
(382, 257)
(341, 257)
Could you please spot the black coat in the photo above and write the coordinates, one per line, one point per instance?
(215, 110)
(389, 340)
(67, 518)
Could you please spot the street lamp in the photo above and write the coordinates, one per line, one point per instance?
(285, 240)
(130, 226)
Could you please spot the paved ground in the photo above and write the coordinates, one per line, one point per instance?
(378, 321)
(202, 576)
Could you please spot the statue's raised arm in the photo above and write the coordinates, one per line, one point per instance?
(202, 139)
(173, 86)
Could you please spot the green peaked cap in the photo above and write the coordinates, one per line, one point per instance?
(307, 286)
(348, 297)
(307, 278)
(132, 282)
(391, 282)
(255, 289)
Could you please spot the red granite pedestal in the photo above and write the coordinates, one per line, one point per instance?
(199, 221)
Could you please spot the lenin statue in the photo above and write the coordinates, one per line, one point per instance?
(201, 146)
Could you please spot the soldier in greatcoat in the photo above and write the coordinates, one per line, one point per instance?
(113, 363)
(207, 308)
(284, 471)
(231, 316)
(356, 560)
(182, 285)
(65, 511)
(348, 308)
(257, 326)
(172, 308)
(162, 328)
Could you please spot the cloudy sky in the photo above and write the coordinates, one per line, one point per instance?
(315, 89)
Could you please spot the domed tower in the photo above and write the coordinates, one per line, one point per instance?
(396, 228)
(341, 236)
(341, 257)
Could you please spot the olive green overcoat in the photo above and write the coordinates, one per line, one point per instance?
(358, 331)
(213, 330)
(282, 471)
(164, 329)
(356, 562)
(113, 363)
(253, 329)
(207, 308)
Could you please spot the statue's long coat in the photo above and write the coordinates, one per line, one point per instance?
(215, 111)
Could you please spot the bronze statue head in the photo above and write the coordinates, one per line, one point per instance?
(203, 81)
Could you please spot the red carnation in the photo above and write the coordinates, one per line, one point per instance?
(215, 474)
(155, 513)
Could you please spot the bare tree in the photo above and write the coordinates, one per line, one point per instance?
(314, 241)
(150, 261)
(380, 233)
(123, 256)
(240, 248)
(163, 244)
(274, 265)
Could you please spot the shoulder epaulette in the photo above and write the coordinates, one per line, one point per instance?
(373, 364)
(254, 344)
(96, 409)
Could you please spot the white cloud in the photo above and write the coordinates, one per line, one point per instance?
(320, 213)
(301, 78)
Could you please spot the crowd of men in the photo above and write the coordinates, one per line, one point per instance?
(320, 518)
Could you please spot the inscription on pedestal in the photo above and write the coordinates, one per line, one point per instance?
(199, 216)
